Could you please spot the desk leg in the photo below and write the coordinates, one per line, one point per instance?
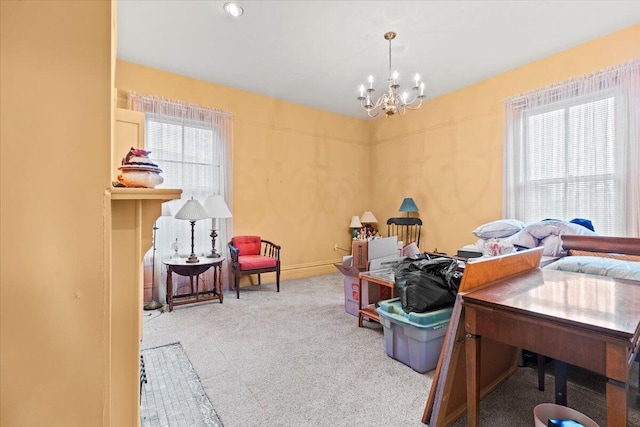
(617, 371)
(359, 302)
(170, 288)
(472, 349)
(617, 411)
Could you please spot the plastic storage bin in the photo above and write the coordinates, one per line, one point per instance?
(414, 339)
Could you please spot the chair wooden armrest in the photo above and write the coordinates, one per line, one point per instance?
(270, 249)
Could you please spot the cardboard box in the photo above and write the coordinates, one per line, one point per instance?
(359, 251)
(382, 248)
(386, 262)
(370, 292)
(385, 253)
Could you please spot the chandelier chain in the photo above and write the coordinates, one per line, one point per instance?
(390, 57)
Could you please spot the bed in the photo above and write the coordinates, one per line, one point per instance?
(617, 257)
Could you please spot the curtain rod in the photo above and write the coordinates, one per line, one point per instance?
(603, 73)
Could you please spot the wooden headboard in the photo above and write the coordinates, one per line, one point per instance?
(625, 248)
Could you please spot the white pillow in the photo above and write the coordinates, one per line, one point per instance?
(523, 239)
(498, 229)
(546, 228)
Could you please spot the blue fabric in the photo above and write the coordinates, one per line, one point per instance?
(583, 222)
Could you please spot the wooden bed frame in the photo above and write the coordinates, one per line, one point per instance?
(625, 248)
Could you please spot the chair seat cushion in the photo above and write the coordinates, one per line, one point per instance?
(253, 262)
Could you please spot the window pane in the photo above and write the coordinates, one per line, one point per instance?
(545, 155)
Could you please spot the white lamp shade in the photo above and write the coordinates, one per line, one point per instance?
(166, 211)
(355, 222)
(216, 207)
(368, 218)
(192, 211)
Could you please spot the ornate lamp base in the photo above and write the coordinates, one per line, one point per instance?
(214, 253)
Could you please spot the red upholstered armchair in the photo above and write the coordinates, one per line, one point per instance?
(253, 255)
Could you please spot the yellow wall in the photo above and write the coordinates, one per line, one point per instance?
(55, 165)
(452, 146)
(299, 174)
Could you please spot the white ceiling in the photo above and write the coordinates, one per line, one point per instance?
(317, 53)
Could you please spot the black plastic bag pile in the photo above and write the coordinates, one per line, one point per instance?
(426, 284)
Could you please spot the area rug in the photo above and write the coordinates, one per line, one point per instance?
(173, 394)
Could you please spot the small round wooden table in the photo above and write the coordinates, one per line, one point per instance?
(181, 267)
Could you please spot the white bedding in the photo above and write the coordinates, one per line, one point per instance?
(545, 233)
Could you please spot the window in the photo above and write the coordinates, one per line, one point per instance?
(571, 152)
(192, 146)
(186, 153)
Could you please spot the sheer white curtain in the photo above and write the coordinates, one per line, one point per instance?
(192, 145)
(571, 150)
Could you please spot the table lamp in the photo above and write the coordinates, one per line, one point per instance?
(367, 217)
(216, 208)
(192, 211)
(408, 205)
(355, 224)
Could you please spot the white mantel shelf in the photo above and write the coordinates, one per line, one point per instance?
(124, 193)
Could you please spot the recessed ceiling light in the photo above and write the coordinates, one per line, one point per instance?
(233, 9)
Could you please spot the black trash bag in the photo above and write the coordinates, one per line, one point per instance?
(425, 284)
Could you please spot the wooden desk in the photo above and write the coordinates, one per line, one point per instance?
(588, 321)
(384, 277)
(182, 268)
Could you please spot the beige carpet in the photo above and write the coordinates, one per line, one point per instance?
(295, 358)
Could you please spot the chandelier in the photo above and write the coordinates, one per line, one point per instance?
(392, 101)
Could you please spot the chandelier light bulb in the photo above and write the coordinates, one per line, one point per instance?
(391, 102)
